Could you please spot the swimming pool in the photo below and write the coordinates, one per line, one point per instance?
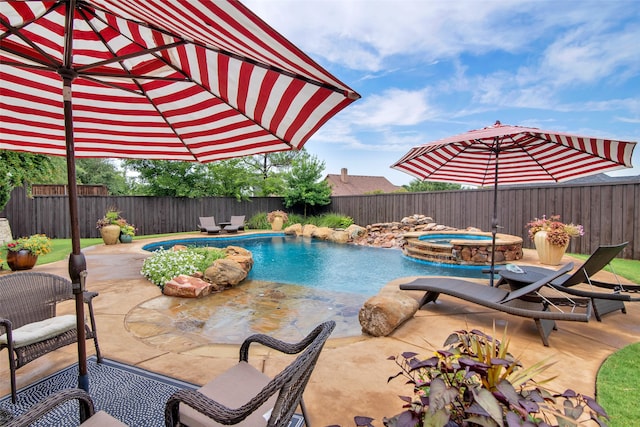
(324, 265)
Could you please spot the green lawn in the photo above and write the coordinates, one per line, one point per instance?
(618, 386)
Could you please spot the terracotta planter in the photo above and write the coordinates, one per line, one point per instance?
(21, 260)
(547, 253)
(276, 225)
(125, 238)
(110, 234)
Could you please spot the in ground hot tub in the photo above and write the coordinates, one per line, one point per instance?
(462, 247)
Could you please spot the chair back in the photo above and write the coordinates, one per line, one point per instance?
(237, 220)
(207, 221)
(292, 380)
(31, 296)
(596, 262)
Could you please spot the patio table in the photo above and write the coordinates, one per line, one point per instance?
(530, 275)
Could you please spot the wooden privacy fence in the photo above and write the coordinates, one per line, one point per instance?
(610, 213)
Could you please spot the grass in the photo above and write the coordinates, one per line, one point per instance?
(618, 386)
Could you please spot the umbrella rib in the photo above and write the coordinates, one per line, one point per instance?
(349, 94)
(160, 58)
(14, 30)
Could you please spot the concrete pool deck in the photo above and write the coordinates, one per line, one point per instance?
(350, 378)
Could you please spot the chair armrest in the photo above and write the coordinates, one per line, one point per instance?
(6, 325)
(45, 406)
(615, 286)
(206, 406)
(276, 344)
(592, 294)
(88, 296)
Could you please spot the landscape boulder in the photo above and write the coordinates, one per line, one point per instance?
(322, 233)
(241, 255)
(186, 287)
(382, 314)
(308, 230)
(225, 273)
(294, 229)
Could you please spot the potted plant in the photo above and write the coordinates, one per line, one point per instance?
(127, 231)
(277, 219)
(475, 381)
(109, 226)
(22, 253)
(551, 237)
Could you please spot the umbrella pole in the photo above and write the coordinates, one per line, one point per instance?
(77, 262)
(494, 222)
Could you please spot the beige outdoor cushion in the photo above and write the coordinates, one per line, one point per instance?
(42, 330)
(233, 388)
(100, 419)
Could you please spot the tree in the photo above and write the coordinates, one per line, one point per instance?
(102, 172)
(270, 169)
(23, 168)
(227, 178)
(170, 178)
(304, 184)
(417, 185)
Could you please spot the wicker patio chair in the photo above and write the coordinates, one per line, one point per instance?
(527, 301)
(245, 396)
(87, 413)
(29, 324)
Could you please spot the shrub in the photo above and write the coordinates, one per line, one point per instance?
(333, 220)
(475, 381)
(260, 222)
(164, 265)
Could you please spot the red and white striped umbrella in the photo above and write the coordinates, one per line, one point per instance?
(503, 154)
(514, 155)
(191, 80)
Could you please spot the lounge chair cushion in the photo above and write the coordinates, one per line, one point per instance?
(233, 388)
(42, 330)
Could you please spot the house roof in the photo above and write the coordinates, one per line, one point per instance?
(344, 184)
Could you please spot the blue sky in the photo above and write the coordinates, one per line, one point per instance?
(431, 69)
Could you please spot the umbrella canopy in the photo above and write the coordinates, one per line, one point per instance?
(191, 80)
(503, 154)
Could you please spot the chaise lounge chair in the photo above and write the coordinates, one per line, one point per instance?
(208, 225)
(243, 395)
(236, 223)
(603, 301)
(525, 302)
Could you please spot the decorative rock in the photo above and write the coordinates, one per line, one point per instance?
(322, 233)
(241, 255)
(294, 229)
(339, 237)
(225, 272)
(308, 230)
(381, 314)
(356, 231)
(186, 287)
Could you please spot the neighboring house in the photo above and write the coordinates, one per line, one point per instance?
(350, 185)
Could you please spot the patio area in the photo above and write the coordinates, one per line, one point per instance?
(350, 378)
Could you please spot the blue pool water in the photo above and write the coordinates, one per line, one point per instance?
(445, 239)
(324, 265)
